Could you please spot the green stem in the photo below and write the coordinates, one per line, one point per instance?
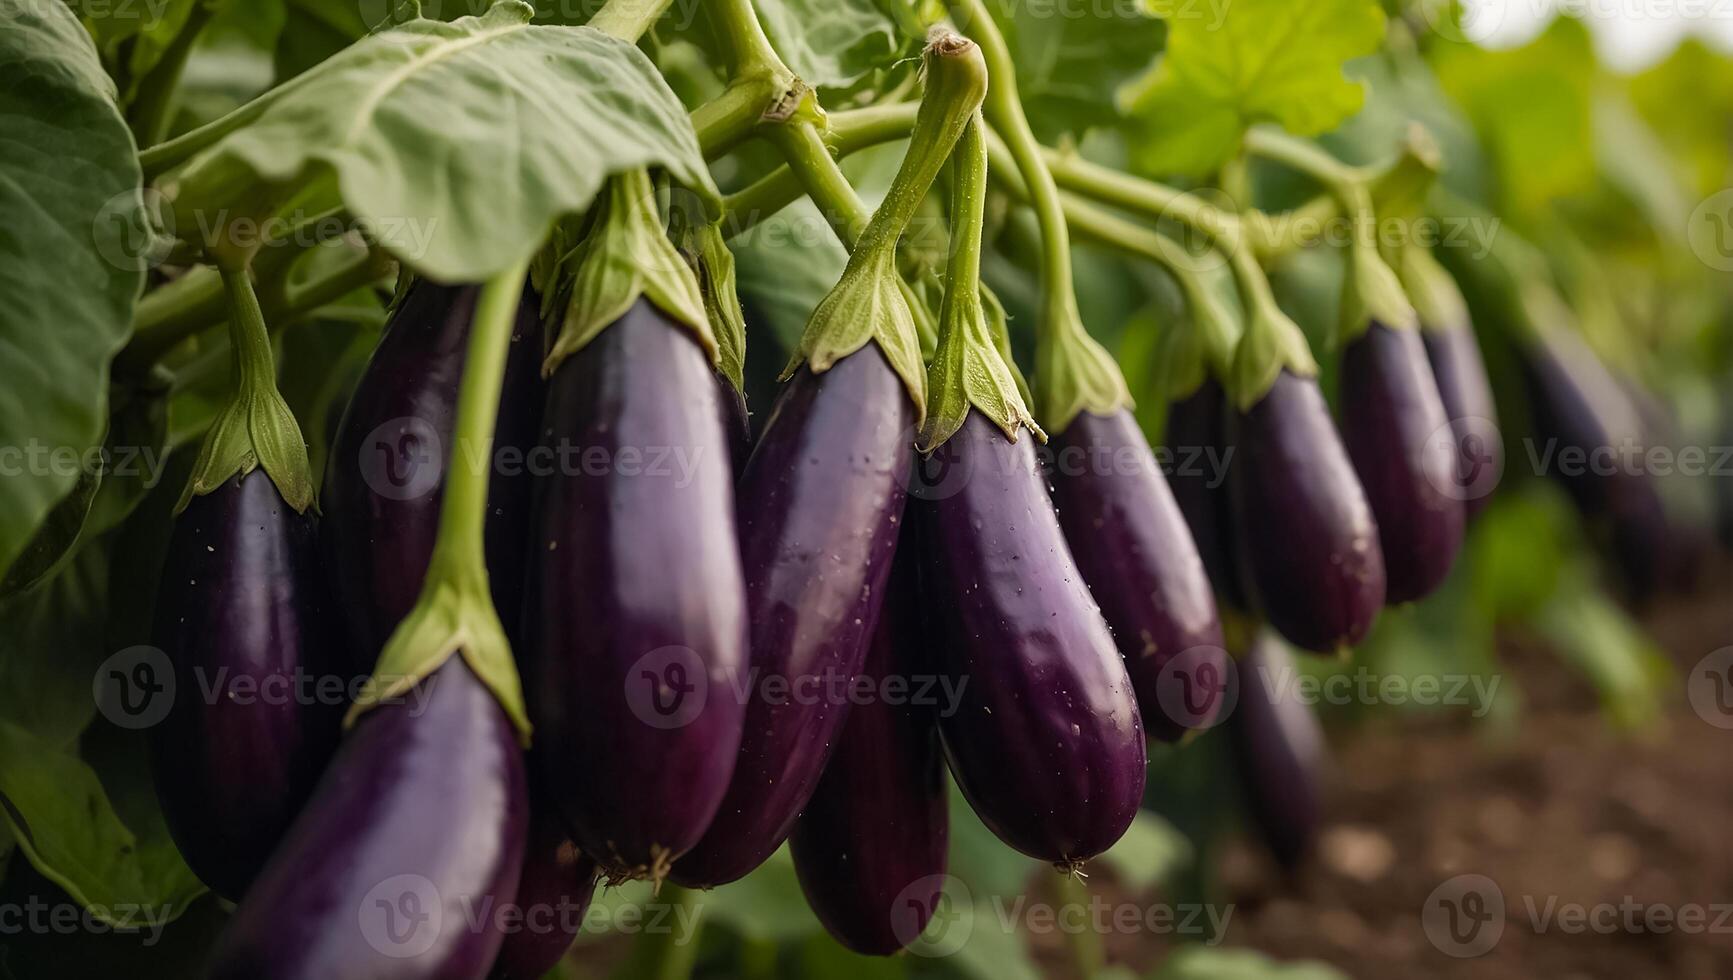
(1087, 953)
(667, 955)
(968, 213)
(817, 172)
(152, 108)
(727, 120)
(628, 20)
(249, 340)
(459, 557)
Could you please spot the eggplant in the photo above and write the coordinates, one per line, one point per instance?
(403, 860)
(245, 621)
(1306, 539)
(818, 509)
(383, 482)
(1197, 438)
(1279, 753)
(1391, 416)
(554, 892)
(870, 846)
(636, 629)
(1460, 373)
(736, 424)
(1587, 426)
(1136, 554)
(1046, 743)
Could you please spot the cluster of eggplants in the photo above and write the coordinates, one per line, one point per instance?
(1392, 414)
(1463, 388)
(1197, 438)
(1307, 543)
(817, 511)
(1045, 742)
(242, 601)
(1279, 752)
(636, 624)
(554, 891)
(870, 846)
(1138, 559)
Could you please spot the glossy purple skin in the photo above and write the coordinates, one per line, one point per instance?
(636, 629)
(1046, 743)
(242, 613)
(1136, 554)
(1460, 373)
(377, 544)
(1197, 438)
(553, 893)
(736, 424)
(870, 846)
(819, 510)
(1280, 753)
(1391, 414)
(402, 864)
(1578, 407)
(1307, 541)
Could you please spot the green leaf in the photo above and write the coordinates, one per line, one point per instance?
(1688, 99)
(456, 145)
(1228, 66)
(54, 642)
(314, 30)
(1216, 963)
(830, 43)
(785, 267)
(1150, 852)
(1600, 639)
(69, 183)
(1069, 68)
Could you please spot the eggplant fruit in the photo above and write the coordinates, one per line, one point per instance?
(1137, 557)
(870, 846)
(1306, 539)
(1197, 438)
(385, 475)
(1046, 743)
(636, 629)
(402, 864)
(554, 892)
(1391, 417)
(1460, 373)
(244, 618)
(818, 509)
(1279, 753)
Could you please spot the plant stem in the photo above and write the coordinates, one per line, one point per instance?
(628, 20)
(1086, 950)
(152, 109)
(171, 153)
(968, 213)
(667, 955)
(810, 162)
(727, 120)
(458, 554)
(249, 341)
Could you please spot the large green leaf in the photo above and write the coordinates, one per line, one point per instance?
(457, 145)
(69, 186)
(830, 43)
(1230, 65)
(1070, 68)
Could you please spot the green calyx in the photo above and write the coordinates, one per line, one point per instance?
(712, 264)
(1074, 374)
(454, 615)
(1372, 292)
(627, 255)
(256, 428)
(871, 302)
(1436, 296)
(968, 370)
(1204, 346)
(1272, 343)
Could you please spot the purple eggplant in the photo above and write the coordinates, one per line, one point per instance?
(244, 618)
(1136, 554)
(819, 508)
(870, 846)
(1306, 539)
(1045, 743)
(1391, 417)
(1279, 753)
(1591, 437)
(385, 476)
(406, 858)
(1460, 372)
(636, 629)
(553, 893)
(1197, 439)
